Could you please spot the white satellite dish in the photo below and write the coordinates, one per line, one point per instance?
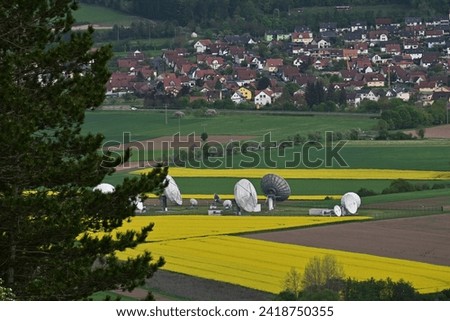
(245, 195)
(337, 210)
(227, 204)
(351, 202)
(171, 192)
(356, 197)
(140, 206)
(137, 201)
(105, 188)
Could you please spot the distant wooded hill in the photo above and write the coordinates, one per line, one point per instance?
(185, 12)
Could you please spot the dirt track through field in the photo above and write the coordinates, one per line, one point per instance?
(442, 131)
(168, 286)
(424, 239)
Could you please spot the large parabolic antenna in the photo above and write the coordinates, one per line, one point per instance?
(105, 188)
(245, 195)
(172, 192)
(276, 188)
(351, 202)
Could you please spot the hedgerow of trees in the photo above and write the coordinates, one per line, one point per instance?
(324, 279)
(397, 114)
(406, 116)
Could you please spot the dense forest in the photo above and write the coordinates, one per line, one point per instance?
(185, 12)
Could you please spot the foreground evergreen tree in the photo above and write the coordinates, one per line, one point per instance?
(49, 214)
(5, 293)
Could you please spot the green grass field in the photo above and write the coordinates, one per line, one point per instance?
(151, 124)
(434, 155)
(140, 125)
(107, 18)
(92, 14)
(408, 196)
(384, 10)
(298, 187)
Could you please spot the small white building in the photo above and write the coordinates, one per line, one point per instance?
(404, 95)
(202, 45)
(368, 94)
(323, 44)
(237, 97)
(263, 97)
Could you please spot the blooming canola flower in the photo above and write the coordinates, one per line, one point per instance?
(320, 173)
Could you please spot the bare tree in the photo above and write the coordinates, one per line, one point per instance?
(322, 273)
(293, 282)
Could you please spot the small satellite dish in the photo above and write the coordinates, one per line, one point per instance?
(137, 201)
(217, 199)
(337, 210)
(105, 188)
(351, 202)
(140, 206)
(193, 202)
(171, 193)
(276, 188)
(227, 204)
(245, 195)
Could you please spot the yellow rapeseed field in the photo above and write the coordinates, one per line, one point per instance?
(260, 197)
(170, 227)
(202, 246)
(320, 173)
(263, 265)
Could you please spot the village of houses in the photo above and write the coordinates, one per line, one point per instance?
(390, 59)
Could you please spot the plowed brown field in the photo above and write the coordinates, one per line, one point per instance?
(442, 131)
(424, 239)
